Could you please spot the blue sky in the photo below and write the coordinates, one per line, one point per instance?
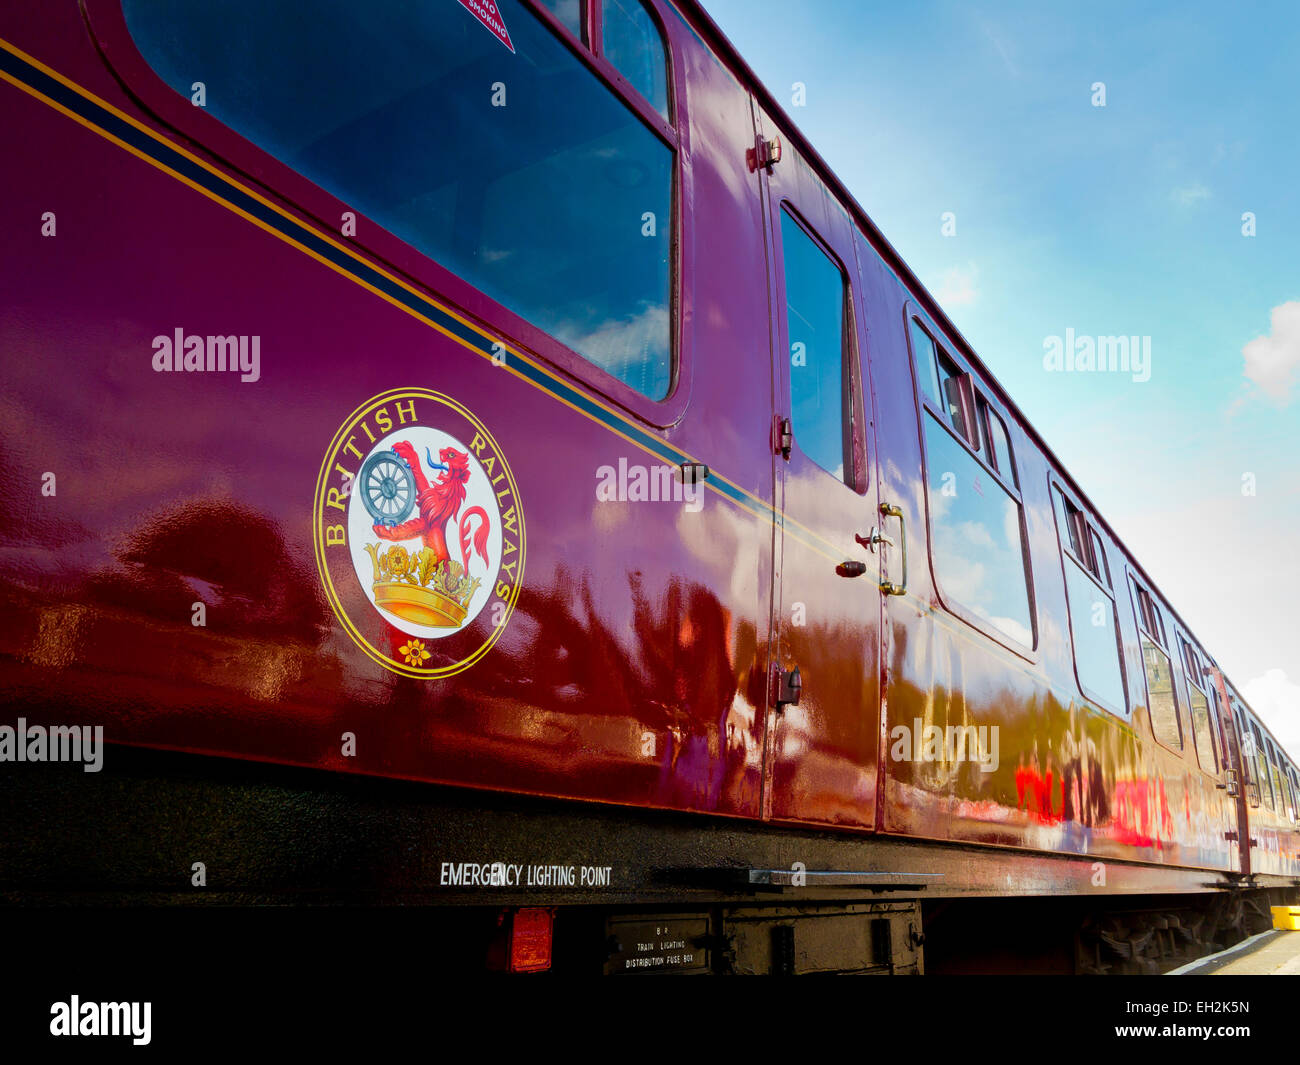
(1117, 220)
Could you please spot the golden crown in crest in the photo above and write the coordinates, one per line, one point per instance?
(420, 587)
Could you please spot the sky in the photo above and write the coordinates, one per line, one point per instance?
(1114, 170)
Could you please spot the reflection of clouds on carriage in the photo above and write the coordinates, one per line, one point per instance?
(585, 669)
(228, 555)
(977, 545)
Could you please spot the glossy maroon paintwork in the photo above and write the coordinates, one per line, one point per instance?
(638, 667)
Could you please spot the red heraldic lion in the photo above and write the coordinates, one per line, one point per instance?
(439, 504)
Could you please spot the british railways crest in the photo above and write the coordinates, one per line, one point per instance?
(419, 533)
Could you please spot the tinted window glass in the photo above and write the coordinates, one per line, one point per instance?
(982, 424)
(1160, 696)
(568, 12)
(923, 353)
(1001, 447)
(1201, 730)
(815, 295)
(976, 540)
(1096, 650)
(1101, 566)
(1276, 776)
(555, 199)
(631, 41)
(1073, 527)
(1261, 764)
(1150, 617)
(950, 382)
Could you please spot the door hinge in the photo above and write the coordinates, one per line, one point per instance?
(765, 153)
(783, 437)
(789, 686)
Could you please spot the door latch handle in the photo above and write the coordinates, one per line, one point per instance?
(888, 510)
(876, 537)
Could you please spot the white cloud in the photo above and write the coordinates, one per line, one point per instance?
(617, 345)
(1272, 362)
(956, 287)
(1277, 701)
(1015, 629)
(1189, 195)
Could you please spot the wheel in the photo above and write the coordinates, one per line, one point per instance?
(387, 488)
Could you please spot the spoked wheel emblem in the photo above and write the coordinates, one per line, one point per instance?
(387, 488)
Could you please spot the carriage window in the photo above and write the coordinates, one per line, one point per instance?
(998, 443)
(1096, 642)
(1276, 776)
(1150, 617)
(1261, 763)
(519, 171)
(631, 41)
(1202, 733)
(923, 356)
(976, 541)
(1101, 568)
(950, 378)
(1083, 539)
(1162, 700)
(1093, 620)
(1076, 530)
(815, 294)
(1161, 703)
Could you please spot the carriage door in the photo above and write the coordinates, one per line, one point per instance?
(823, 727)
(1235, 771)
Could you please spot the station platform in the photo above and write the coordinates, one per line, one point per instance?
(1272, 953)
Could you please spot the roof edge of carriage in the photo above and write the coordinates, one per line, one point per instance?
(702, 23)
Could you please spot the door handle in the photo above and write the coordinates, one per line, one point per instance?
(888, 510)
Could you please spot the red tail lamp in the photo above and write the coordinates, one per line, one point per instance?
(523, 940)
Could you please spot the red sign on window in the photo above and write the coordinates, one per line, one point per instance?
(486, 12)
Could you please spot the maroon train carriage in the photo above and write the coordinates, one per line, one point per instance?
(477, 455)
